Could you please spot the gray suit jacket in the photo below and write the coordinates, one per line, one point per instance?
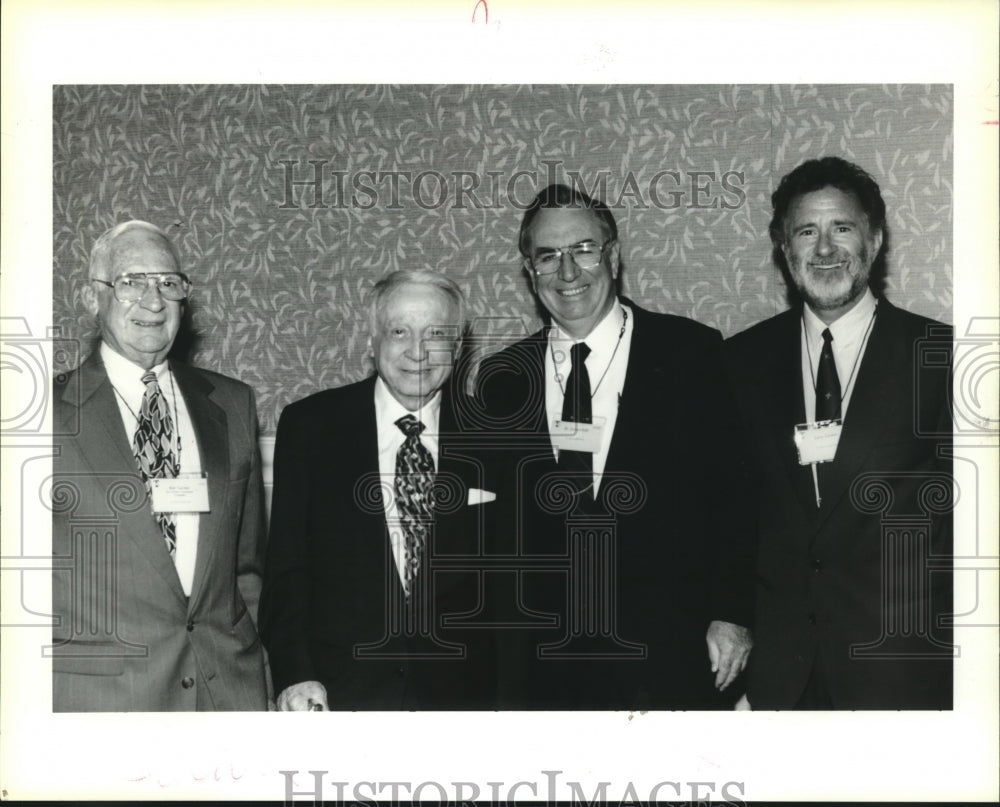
(126, 638)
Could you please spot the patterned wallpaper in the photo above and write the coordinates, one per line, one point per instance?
(287, 203)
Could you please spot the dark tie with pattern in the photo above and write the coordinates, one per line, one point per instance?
(153, 448)
(413, 487)
(827, 382)
(576, 409)
(827, 398)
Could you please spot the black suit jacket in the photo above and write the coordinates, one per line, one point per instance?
(682, 548)
(333, 602)
(835, 582)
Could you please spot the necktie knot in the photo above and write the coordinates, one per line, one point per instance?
(149, 378)
(410, 426)
(827, 336)
(578, 353)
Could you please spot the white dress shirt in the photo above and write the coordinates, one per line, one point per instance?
(606, 366)
(126, 379)
(850, 338)
(390, 438)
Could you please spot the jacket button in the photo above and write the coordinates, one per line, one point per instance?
(812, 619)
(190, 625)
(187, 682)
(816, 564)
(399, 672)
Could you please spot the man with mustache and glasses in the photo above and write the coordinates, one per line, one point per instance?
(624, 495)
(850, 428)
(158, 517)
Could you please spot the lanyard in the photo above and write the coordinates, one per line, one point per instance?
(621, 334)
(857, 357)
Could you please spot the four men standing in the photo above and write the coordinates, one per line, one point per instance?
(623, 491)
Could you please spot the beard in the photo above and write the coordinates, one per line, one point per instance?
(830, 289)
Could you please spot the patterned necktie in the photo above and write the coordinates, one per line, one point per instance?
(153, 449)
(414, 495)
(576, 409)
(827, 382)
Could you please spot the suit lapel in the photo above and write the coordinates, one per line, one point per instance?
(648, 367)
(101, 427)
(211, 433)
(873, 402)
(534, 381)
(787, 407)
(100, 419)
(360, 462)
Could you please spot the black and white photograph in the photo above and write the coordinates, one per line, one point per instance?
(594, 434)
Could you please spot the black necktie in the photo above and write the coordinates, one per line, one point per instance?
(414, 486)
(827, 382)
(576, 409)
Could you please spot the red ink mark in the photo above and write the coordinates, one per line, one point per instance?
(486, 11)
(991, 123)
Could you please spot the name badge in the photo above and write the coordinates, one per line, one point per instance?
(817, 442)
(185, 493)
(568, 435)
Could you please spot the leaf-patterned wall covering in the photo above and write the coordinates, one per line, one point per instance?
(279, 289)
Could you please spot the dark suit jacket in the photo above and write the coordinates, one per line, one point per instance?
(127, 638)
(839, 576)
(332, 596)
(682, 546)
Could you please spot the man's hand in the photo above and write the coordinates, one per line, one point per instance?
(303, 697)
(742, 705)
(728, 649)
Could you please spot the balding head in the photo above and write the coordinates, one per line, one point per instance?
(143, 330)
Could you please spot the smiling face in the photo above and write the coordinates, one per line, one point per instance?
(415, 342)
(830, 249)
(143, 332)
(577, 299)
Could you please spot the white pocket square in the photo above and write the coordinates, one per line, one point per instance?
(478, 496)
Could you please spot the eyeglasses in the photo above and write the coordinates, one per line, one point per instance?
(172, 286)
(586, 255)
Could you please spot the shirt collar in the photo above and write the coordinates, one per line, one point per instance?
(854, 321)
(604, 336)
(389, 410)
(125, 374)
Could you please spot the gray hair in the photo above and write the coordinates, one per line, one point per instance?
(101, 251)
(420, 277)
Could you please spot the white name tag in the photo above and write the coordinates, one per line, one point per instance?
(186, 493)
(817, 442)
(568, 435)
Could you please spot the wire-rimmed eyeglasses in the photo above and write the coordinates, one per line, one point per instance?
(585, 254)
(130, 288)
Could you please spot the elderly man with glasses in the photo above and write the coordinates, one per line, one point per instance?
(158, 530)
(622, 461)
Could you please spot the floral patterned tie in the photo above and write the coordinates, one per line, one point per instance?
(414, 495)
(153, 449)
